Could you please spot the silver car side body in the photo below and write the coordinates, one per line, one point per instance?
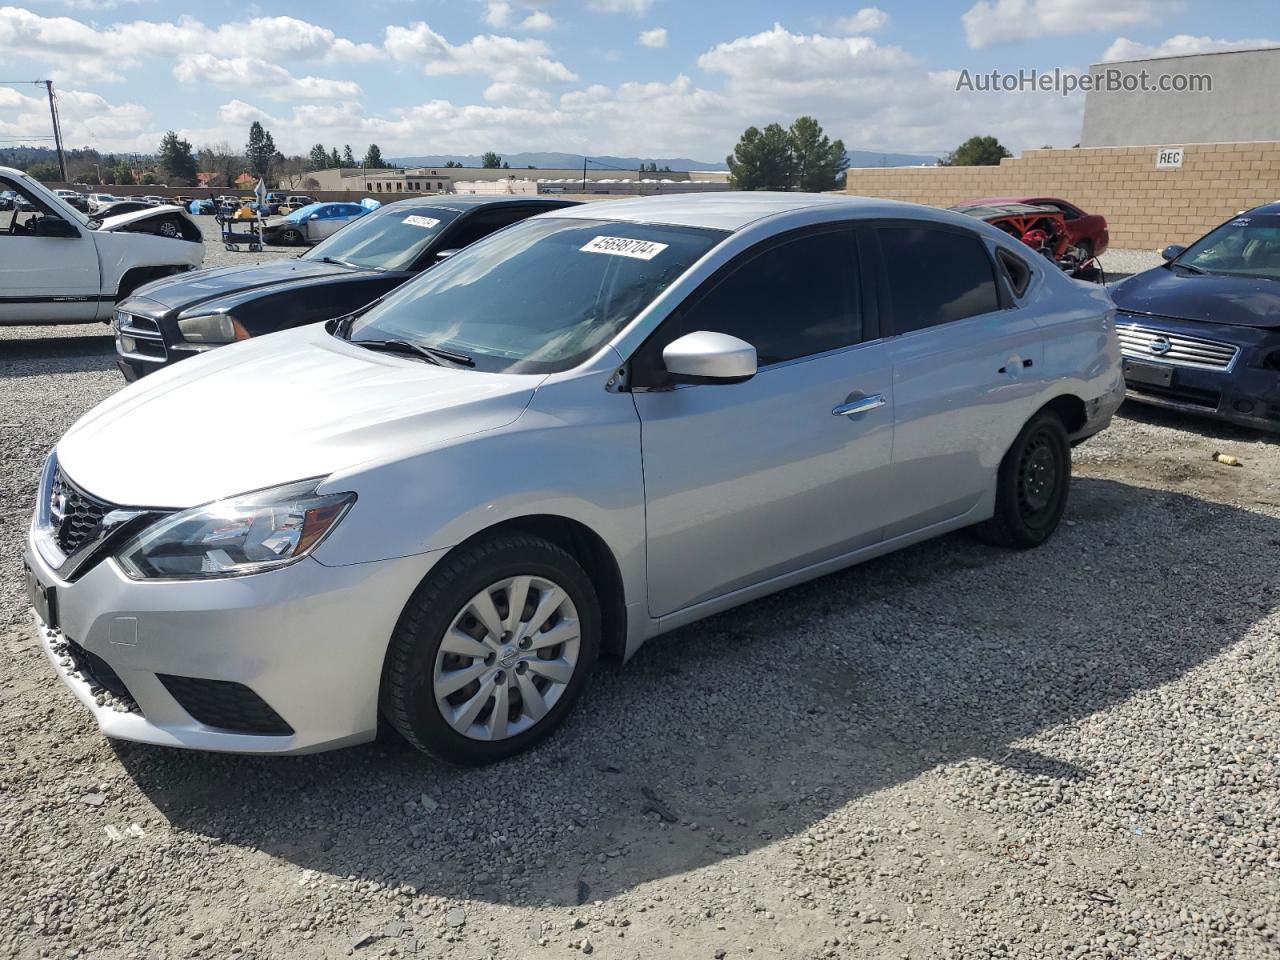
(704, 496)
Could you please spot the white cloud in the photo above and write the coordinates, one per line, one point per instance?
(498, 58)
(1180, 45)
(634, 7)
(252, 73)
(497, 13)
(1001, 21)
(779, 56)
(516, 94)
(657, 37)
(87, 118)
(537, 21)
(866, 20)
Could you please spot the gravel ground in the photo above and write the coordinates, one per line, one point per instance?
(955, 751)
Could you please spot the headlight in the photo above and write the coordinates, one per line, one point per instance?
(214, 328)
(235, 537)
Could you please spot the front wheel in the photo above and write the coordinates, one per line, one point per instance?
(291, 238)
(1032, 485)
(492, 651)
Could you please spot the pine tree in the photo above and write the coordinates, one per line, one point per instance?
(260, 151)
(319, 157)
(177, 160)
(373, 157)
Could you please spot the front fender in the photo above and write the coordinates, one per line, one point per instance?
(118, 253)
(573, 453)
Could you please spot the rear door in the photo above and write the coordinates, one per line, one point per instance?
(967, 363)
(45, 279)
(746, 482)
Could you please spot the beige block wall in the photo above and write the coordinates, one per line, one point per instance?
(1145, 208)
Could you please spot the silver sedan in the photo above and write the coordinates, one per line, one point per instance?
(585, 430)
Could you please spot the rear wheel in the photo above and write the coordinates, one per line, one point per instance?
(492, 651)
(291, 237)
(1032, 486)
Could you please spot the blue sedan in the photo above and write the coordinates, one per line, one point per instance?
(312, 223)
(1201, 332)
(202, 205)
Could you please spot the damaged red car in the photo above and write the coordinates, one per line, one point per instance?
(1045, 228)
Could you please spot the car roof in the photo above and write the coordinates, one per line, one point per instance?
(1267, 208)
(731, 210)
(1007, 208)
(465, 202)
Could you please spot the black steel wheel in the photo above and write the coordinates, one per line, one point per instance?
(1033, 483)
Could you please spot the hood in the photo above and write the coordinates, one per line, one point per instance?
(275, 409)
(123, 220)
(1182, 295)
(185, 290)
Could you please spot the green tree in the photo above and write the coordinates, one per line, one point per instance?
(348, 158)
(373, 157)
(335, 159)
(976, 152)
(319, 157)
(124, 176)
(150, 179)
(491, 161)
(177, 161)
(818, 162)
(260, 151)
(453, 163)
(45, 172)
(762, 160)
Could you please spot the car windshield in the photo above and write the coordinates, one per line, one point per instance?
(387, 240)
(297, 216)
(1247, 246)
(540, 296)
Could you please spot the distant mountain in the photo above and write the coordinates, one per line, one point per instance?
(559, 161)
(869, 158)
(573, 161)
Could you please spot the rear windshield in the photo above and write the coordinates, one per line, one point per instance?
(385, 240)
(1248, 246)
(539, 296)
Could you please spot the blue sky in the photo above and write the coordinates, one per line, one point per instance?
(632, 77)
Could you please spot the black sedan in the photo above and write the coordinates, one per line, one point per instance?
(1201, 332)
(180, 316)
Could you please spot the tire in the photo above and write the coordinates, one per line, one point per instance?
(291, 238)
(167, 228)
(419, 673)
(1032, 486)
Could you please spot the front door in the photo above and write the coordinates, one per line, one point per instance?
(746, 482)
(44, 279)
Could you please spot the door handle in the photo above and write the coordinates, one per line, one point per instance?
(1026, 363)
(852, 408)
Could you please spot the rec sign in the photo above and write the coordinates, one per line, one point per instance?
(1169, 158)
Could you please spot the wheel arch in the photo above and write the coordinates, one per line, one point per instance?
(592, 553)
(1070, 409)
(135, 277)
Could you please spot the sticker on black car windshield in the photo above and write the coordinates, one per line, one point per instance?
(624, 247)
(426, 223)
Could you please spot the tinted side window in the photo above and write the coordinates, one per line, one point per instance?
(936, 276)
(1016, 269)
(484, 222)
(792, 300)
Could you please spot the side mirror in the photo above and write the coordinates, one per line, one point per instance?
(1172, 250)
(444, 254)
(55, 227)
(314, 216)
(705, 357)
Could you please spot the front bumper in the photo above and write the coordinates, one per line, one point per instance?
(1245, 393)
(307, 640)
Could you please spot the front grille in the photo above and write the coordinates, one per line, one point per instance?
(140, 337)
(96, 670)
(225, 705)
(1137, 340)
(1209, 399)
(75, 516)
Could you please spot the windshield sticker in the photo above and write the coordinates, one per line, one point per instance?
(1240, 222)
(427, 223)
(623, 247)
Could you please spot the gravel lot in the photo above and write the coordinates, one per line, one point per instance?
(955, 751)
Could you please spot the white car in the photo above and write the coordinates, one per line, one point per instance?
(99, 200)
(586, 429)
(58, 265)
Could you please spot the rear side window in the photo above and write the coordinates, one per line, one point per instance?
(1016, 269)
(936, 276)
(792, 300)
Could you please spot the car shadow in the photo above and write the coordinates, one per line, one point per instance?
(757, 723)
(1200, 425)
(46, 355)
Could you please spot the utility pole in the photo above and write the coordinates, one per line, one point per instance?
(57, 130)
(584, 174)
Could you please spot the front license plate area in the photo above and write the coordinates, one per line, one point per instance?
(43, 599)
(1157, 374)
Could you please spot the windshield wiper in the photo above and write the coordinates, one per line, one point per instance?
(1189, 266)
(430, 354)
(341, 263)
